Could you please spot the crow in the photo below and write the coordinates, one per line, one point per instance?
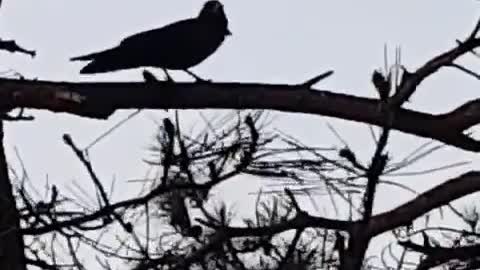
(177, 46)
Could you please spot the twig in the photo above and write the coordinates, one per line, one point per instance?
(442, 194)
(293, 200)
(11, 46)
(125, 225)
(466, 70)
(291, 249)
(112, 129)
(68, 141)
(410, 83)
(311, 82)
(475, 30)
(474, 53)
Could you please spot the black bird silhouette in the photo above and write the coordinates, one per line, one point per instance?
(177, 46)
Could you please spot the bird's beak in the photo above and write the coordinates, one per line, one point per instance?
(228, 33)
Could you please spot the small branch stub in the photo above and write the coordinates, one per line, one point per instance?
(311, 82)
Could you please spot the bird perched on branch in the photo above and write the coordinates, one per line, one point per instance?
(177, 46)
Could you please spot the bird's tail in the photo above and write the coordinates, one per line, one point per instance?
(91, 56)
(82, 58)
(101, 62)
(97, 66)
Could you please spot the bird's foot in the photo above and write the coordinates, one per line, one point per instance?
(200, 80)
(150, 78)
(197, 78)
(169, 80)
(167, 76)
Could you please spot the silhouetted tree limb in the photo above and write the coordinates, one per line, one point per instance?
(440, 195)
(109, 209)
(301, 221)
(12, 247)
(249, 147)
(411, 81)
(13, 47)
(195, 159)
(290, 251)
(100, 100)
(222, 234)
(359, 233)
(436, 256)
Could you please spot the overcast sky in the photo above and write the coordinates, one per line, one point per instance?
(273, 41)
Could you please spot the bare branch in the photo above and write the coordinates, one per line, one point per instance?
(293, 200)
(376, 168)
(301, 221)
(440, 255)
(11, 46)
(466, 70)
(100, 100)
(12, 244)
(452, 189)
(410, 83)
(311, 82)
(291, 249)
(475, 30)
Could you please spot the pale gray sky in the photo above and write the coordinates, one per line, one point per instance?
(273, 41)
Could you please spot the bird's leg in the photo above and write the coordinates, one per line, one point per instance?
(197, 78)
(169, 78)
(148, 77)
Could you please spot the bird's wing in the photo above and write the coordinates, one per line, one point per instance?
(176, 33)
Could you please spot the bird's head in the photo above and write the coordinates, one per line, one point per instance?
(213, 11)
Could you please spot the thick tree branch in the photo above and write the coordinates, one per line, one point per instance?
(100, 100)
(440, 195)
(11, 241)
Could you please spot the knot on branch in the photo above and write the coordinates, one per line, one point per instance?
(69, 96)
(55, 98)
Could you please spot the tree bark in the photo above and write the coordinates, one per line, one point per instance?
(100, 100)
(12, 247)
